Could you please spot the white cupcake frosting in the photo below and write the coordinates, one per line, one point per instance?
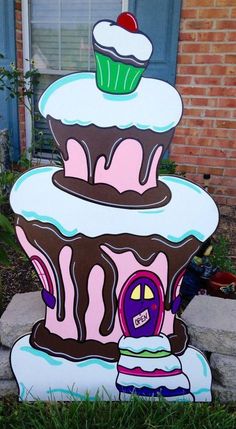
(126, 43)
(191, 210)
(76, 99)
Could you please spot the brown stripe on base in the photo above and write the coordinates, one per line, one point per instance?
(109, 196)
(41, 338)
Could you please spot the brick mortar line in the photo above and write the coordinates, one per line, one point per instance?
(204, 147)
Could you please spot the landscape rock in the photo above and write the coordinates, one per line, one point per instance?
(20, 315)
(5, 368)
(223, 394)
(8, 387)
(211, 324)
(224, 369)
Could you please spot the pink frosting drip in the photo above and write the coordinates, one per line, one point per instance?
(123, 173)
(124, 170)
(76, 165)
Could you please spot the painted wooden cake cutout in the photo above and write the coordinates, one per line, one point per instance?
(109, 238)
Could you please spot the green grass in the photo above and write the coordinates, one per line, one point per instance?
(135, 414)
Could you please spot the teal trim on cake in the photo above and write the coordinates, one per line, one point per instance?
(48, 219)
(116, 77)
(185, 183)
(40, 354)
(60, 82)
(98, 362)
(71, 394)
(30, 173)
(193, 232)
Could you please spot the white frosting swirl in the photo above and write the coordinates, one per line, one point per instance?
(76, 99)
(110, 35)
(152, 344)
(34, 197)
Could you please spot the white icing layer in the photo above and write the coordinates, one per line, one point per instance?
(75, 99)
(171, 382)
(126, 43)
(152, 344)
(191, 210)
(168, 363)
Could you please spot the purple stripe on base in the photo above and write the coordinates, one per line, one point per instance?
(146, 391)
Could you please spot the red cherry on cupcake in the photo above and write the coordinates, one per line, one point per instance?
(128, 21)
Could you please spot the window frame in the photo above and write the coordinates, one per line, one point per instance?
(26, 63)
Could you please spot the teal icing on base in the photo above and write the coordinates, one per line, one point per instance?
(124, 97)
(31, 173)
(22, 394)
(42, 355)
(60, 82)
(197, 234)
(202, 390)
(183, 183)
(71, 394)
(33, 215)
(151, 212)
(204, 364)
(98, 362)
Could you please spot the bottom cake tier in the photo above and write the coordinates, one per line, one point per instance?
(43, 377)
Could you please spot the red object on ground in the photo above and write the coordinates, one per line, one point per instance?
(222, 285)
(128, 21)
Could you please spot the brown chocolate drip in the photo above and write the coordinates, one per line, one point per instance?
(112, 53)
(109, 295)
(179, 339)
(41, 338)
(107, 195)
(51, 248)
(87, 253)
(99, 142)
(80, 275)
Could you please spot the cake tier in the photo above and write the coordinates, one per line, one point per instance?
(98, 134)
(164, 375)
(75, 244)
(68, 381)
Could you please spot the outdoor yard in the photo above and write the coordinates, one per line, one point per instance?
(133, 415)
(117, 214)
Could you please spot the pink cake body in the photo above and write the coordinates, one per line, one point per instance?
(87, 285)
(124, 170)
(126, 265)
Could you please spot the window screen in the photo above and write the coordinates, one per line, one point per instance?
(61, 42)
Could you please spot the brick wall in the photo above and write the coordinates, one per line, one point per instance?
(19, 61)
(205, 140)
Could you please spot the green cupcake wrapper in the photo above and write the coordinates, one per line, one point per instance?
(116, 77)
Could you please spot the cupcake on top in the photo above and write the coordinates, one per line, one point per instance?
(122, 54)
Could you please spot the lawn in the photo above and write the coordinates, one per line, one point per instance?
(135, 414)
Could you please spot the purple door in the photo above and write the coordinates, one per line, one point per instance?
(141, 305)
